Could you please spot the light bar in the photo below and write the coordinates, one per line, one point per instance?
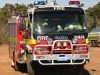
(39, 3)
(74, 2)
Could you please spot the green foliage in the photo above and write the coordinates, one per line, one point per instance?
(30, 5)
(21, 8)
(96, 10)
(6, 13)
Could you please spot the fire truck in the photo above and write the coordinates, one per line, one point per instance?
(49, 34)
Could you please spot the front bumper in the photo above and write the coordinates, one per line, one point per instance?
(61, 59)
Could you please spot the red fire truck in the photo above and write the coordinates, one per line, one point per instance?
(49, 34)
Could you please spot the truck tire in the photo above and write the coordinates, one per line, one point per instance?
(15, 64)
(30, 69)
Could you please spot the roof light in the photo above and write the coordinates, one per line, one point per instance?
(39, 3)
(74, 3)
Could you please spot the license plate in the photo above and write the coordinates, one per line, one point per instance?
(62, 58)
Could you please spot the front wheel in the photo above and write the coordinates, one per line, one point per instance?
(15, 64)
(30, 69)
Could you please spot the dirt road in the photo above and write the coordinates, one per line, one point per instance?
(92, 68)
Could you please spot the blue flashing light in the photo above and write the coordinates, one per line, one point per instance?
(39, 3)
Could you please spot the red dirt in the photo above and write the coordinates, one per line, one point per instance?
(93, 67)
(5, 63)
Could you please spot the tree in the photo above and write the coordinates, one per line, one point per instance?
(96, 10)
(6, 13)
(21, 8)
(30, 5)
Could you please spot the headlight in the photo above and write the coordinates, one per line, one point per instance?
(83, 40)
(77, 39)
(41, 51)
(74, 41)
(81, 48)
(49, 40)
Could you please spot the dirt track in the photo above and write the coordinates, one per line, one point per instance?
(92, 68)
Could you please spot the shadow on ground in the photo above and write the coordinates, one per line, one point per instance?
(60, 71)
(56, 71)
(63, 71)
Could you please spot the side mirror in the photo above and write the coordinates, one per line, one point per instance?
(29, 29)
(22, 24)
(93, 20)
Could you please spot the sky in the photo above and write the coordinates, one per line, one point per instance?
(87, 3)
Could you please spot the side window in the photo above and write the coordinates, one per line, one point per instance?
(29, 24)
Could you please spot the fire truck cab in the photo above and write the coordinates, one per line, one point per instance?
(50, 34)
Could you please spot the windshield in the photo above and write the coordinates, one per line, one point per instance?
(95, 30)
(59, 20)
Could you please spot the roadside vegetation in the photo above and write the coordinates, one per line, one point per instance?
(96, 11)
(6, 13)
(9, 9)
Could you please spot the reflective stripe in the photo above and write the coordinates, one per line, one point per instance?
(29, 41)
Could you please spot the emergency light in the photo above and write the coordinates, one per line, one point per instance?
(39, 3)
(74, 2)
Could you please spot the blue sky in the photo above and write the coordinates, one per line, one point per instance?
(87, 3)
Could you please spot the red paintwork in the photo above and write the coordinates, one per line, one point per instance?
(80, 42)
(74, 2)
(19, 39)
(43, 52)
(80, 52)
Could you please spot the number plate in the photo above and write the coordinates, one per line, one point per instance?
(62, 58)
